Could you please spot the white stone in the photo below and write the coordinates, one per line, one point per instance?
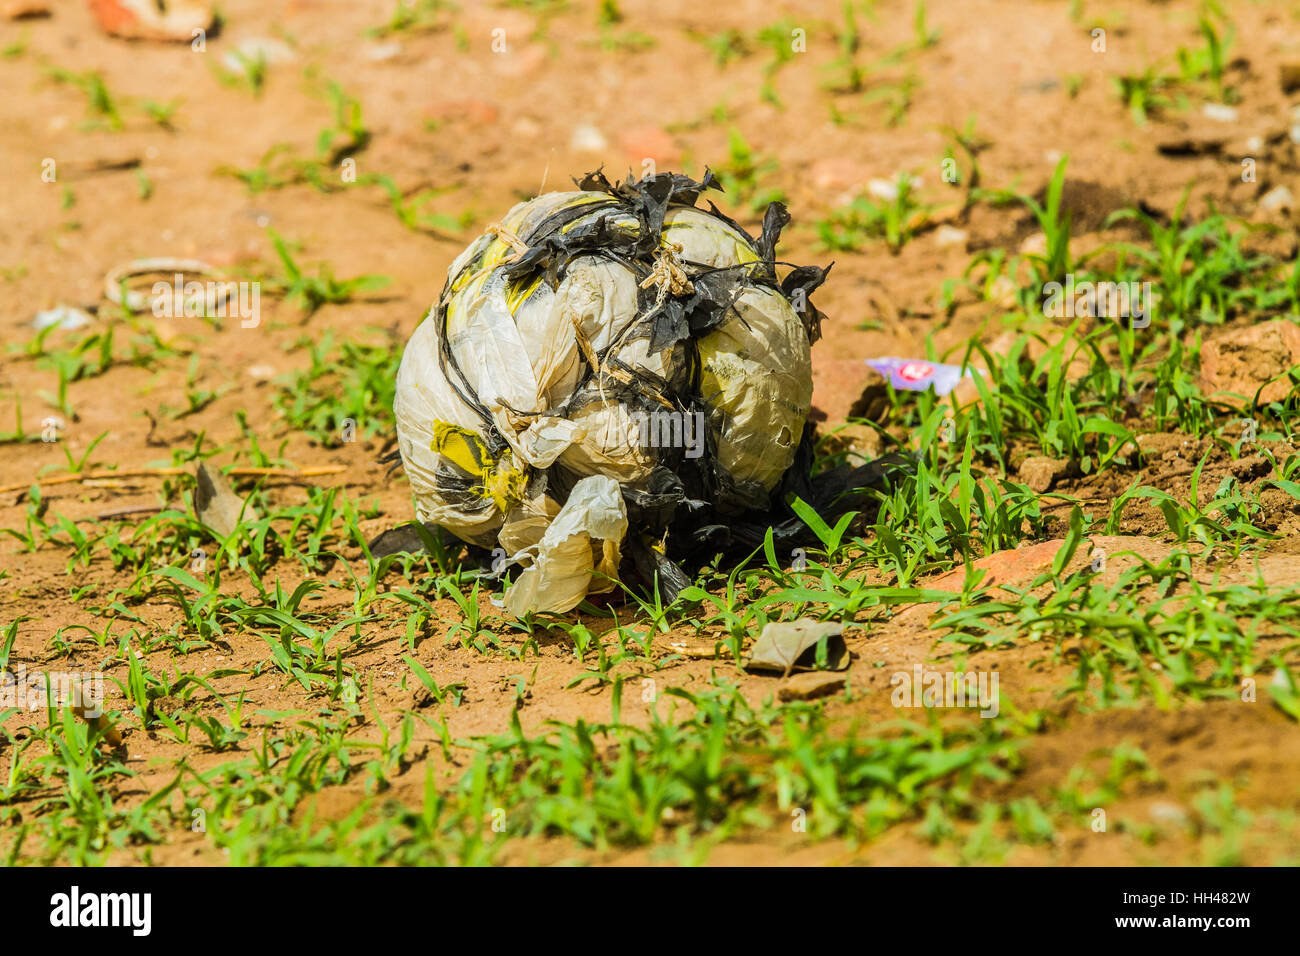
(1277, 200)
(1219, 112)
(588, 139)
(947, 235)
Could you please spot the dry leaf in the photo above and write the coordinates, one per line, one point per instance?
(404, 539)
(216, 503)
(699, 652)
(792, 645)
(91, 711)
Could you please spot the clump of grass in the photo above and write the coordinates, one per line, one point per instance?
(847, 74)
(923, 36)
(353, 381)
(312, 292)
(1055, 262)
(897, 97)
(895, 220)
(250, 75)
(1150, 91)
(414, 16)
(1203, 270)
(779, 39)
(970, 142)
(743, 174)
(161, 113)
(100, 103)
(281, 166)
(412, 209)
(349, 134)
(724, 46)
(1208, 63)
(1144, 93)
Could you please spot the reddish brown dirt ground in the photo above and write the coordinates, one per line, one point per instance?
(488, 129)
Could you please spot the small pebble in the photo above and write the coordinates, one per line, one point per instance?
(1219, 112)
(1277, 199)
(66, 317)
(588, 139)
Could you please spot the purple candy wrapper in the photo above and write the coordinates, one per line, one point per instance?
(916, 375)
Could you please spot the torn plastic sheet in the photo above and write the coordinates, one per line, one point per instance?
(578, 554)
(916, 375)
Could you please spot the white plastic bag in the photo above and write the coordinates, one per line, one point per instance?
(523, 397)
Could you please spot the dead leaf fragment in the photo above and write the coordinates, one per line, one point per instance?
(404, 539)
(216, 503)
(697, 652)
(792, 645)
(92, 712)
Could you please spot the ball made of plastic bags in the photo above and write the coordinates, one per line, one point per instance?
(608, 370)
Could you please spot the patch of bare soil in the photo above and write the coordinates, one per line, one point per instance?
(484, 129)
